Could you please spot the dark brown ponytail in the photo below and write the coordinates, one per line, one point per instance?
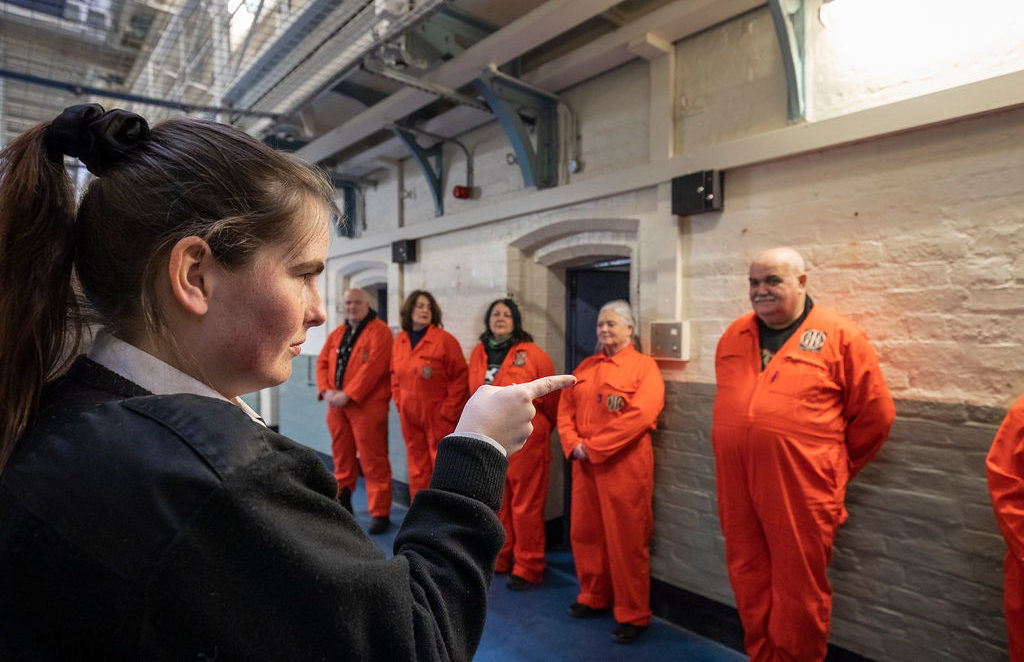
(152, 188)
(39, 329)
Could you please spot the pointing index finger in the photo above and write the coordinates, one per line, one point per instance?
(545, 385)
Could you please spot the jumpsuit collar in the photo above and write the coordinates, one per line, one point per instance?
(619, 357)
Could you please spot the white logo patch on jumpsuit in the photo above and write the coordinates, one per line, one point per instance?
(812, 340)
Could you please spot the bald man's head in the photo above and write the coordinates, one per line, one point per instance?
(357, 305)
(778, 286)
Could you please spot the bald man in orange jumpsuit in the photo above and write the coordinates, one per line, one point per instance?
(605, 424)
(801, 407)
(1005, 465)
(358, 354)
(429, 386)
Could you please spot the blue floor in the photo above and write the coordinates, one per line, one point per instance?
(534, 626)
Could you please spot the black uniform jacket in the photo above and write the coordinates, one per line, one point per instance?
(136, 526)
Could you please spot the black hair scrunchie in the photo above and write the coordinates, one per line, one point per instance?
(98, 138)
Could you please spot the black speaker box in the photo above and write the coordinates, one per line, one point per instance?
(697, 193)
(403, 251)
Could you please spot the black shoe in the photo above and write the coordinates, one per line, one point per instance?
(580, 610)
(626, 633)
(345, 499)
(379, 524)
(517, 583)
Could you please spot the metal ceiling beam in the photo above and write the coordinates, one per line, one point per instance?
(672, 22)
(361, 93)
(529, 31)
(383, 71)
(450, 32)
(328, 53)
(506, 96)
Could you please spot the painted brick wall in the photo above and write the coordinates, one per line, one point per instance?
(731, 83)
(917, 237)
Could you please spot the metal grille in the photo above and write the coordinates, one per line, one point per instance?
(250, 62)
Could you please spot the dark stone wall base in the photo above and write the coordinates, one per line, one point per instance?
(714, 620)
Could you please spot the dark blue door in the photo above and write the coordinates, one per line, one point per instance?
(587, 289)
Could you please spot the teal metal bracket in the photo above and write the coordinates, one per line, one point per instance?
(788, 16)
(507, 97)
(433, 173)
(346, 226)
(442, 139)
(351, 195)
(448, 33)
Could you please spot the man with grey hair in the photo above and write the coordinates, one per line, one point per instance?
(801, 407)
(353, 376)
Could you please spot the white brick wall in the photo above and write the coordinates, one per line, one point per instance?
(731, 83)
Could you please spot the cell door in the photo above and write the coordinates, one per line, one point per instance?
(587, 289)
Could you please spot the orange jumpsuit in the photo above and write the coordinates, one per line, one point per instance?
(1005, 464)
(429, 387)
(786, 441)
(611, 410)
(526, 483)
(361, 426)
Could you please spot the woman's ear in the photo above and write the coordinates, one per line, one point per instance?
(189, 268)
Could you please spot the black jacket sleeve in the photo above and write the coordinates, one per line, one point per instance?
(272, 568)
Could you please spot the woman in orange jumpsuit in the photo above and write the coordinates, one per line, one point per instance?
(506, 355)
(428, 384)
(1005, 465)
(605, 424)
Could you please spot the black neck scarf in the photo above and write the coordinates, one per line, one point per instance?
(348, 341)
(772, 340)
(496, 353)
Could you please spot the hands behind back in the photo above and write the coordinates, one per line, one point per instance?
(504, 413)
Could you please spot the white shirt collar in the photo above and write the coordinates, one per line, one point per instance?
(153, 374)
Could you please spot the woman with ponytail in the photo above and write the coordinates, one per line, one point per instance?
(145, 511)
